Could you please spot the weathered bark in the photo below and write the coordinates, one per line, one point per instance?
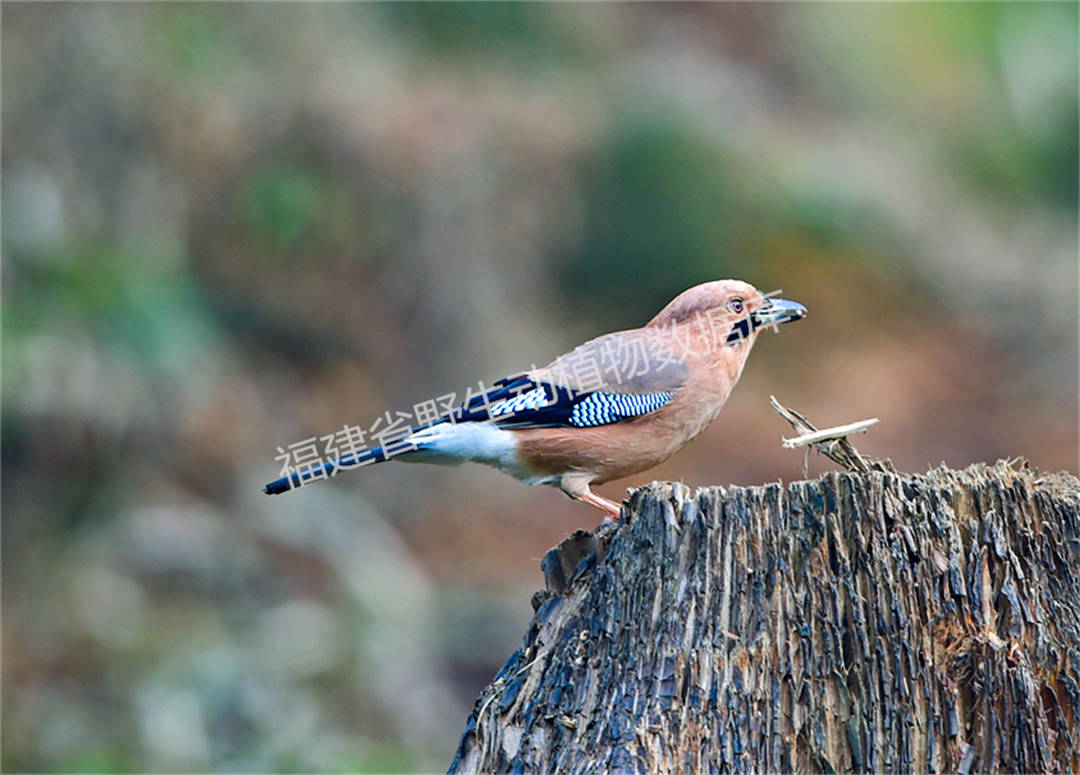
(870, 622)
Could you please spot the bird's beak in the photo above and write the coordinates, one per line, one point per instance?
(775, 311)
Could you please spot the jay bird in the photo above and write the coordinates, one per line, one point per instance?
(617, 405)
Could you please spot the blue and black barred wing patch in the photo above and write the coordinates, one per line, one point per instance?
(554, 406)
(606, 408)
(521, 402)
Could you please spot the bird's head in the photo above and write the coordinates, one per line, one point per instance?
(727, 311)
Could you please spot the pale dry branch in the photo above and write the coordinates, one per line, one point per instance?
(831, 442)
(829, 434)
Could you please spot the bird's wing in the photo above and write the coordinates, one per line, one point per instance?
(610, 379)
(632, 362)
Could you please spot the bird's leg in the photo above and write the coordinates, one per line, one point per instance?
(577, 487)
(611, 509)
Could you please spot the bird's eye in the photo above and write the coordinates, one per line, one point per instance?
(736, 305)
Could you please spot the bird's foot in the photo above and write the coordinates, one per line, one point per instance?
(611, 517)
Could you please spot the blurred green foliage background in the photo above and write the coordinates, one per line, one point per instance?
(231, 227)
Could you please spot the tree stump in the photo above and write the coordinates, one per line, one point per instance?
(859, 622)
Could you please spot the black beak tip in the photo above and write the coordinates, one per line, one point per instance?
(779, 311)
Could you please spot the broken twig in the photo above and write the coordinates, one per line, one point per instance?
(831, 442)
(829, 434)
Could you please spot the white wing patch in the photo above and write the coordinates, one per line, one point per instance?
(532, 400)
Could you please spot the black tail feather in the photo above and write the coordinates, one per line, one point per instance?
(325, 470)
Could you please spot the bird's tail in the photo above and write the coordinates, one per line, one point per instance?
(442, 441)
(364, 457)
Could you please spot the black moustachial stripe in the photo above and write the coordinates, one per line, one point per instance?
(741, 330)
